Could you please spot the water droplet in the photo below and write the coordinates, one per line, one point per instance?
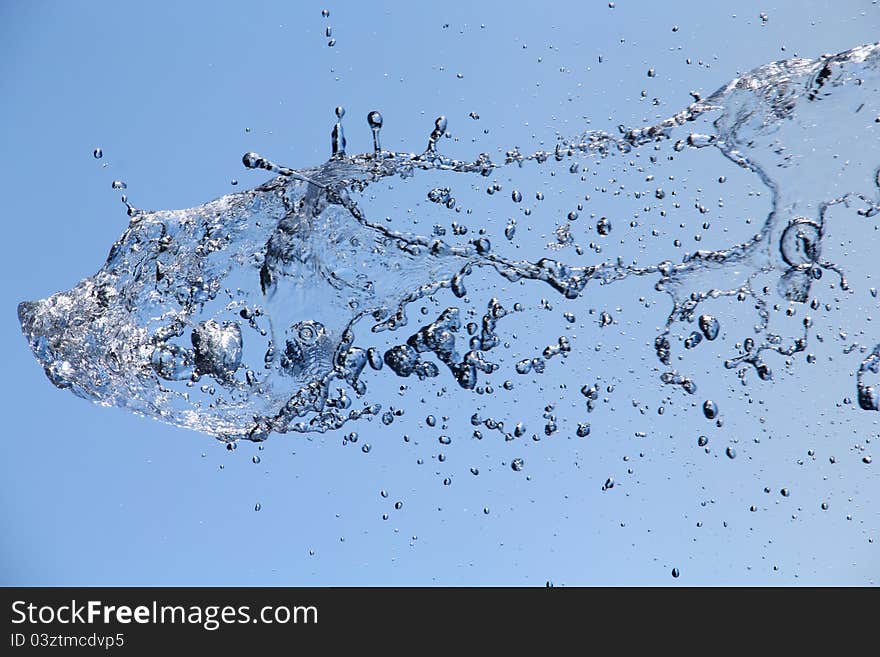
(710, 409)
(438, 131)
(337, 136)
(709, 326)
(374, 119)
(97, 153)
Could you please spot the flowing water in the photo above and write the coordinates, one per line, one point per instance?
(269, 310)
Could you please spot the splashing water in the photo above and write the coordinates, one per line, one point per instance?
(243, 316)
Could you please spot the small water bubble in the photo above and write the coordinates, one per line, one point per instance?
(118, 184)
(258, 506)
(97, 153)
(516, 195)
(675, 572)
(325, 13)
(517, 464)
(731, 452)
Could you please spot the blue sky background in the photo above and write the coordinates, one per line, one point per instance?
(97, 496)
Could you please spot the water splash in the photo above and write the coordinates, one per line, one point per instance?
(242, 317)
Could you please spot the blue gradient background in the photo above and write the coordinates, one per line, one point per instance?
(97, 496)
